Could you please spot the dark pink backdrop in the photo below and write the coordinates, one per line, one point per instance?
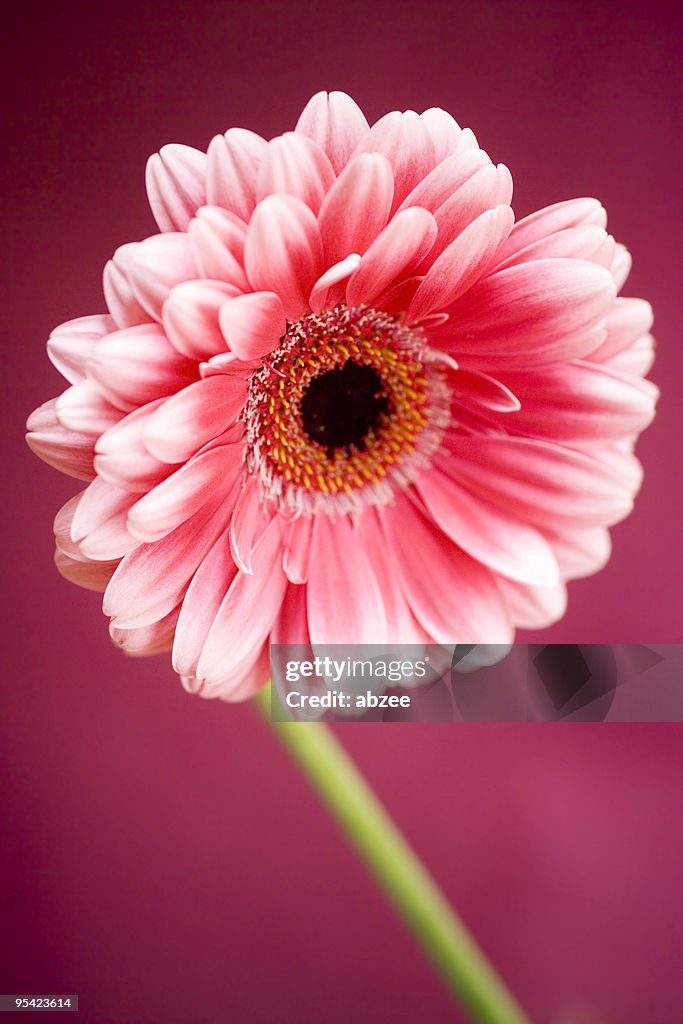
(161, 858)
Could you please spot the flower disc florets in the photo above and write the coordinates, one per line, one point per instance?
(346, 408)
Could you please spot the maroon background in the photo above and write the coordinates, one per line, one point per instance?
(161, 857)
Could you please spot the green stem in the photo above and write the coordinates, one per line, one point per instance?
(404, 879)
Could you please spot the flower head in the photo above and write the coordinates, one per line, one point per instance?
(342, 397)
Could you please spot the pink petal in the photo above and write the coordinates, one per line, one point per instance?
(138, 365)
(586, 243)
(89, 575)
(620, 266)
(541, 309)
(484, 190)
(146, 640)
(84, 408)
(245, 683)
(238, 683)
(581, 401)
(283, 251)
(176, 178)
(569, 214)
(190, 317)
(217, 243)
(635, 361)
(185, 423)
(478, 389)
(445, 179)
(398, 297)
(616, 460)
(68, 451)
(295, 165)
(578, 344)
(540, 482)
(159, 263)
(406, 143)
(248, 524)
(70, 345)
(434, 320)
(604, 254)
(233, 163)
(98, 526)
(580, 552)
(229, 365)
(192, 685)
(336, 123)
(152, 580)
(396, 251)
(454, 598)
(533, 607)
(185, 492)
(122, 457)
(443, 130)
(462, 262)
(627, 321)
(344, 599)
(468, 420)
(62, 528)
(252, 324)
(96, 506)
(329, 289)
(247, 612)
(402, 627)
(488, 533)
(291, 625)
(125, 309)
(200, 606)
(357, 206)
(296, 549)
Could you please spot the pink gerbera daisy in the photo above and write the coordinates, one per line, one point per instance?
(343, 398)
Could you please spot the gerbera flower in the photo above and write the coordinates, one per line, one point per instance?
(342, 397)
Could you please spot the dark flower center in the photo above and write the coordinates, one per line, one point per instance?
(341, 406)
